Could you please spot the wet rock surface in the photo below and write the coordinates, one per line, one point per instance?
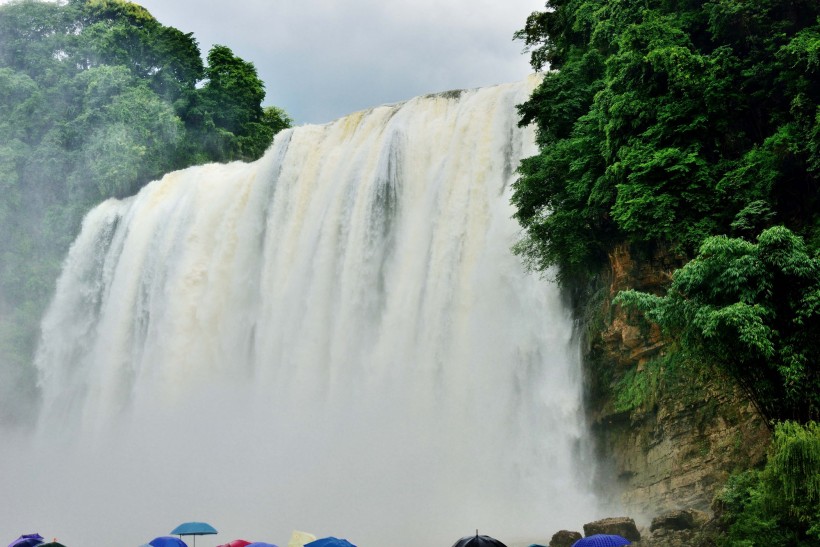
(677, 449)
(678, 528)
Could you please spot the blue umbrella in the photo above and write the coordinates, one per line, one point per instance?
(27, 540)
(602, 540)
(330, 542)
(167, 541)
(194, 529)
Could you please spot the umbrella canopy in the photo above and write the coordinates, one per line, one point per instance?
(193, 529)
(602, 540)
(27, 540)
(330, 542)
(236, 543)
(478, 541)
(300, 539)
(260, 544)
(51, 544)
(167, 541)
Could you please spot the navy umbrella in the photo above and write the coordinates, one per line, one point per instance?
(602, 540)
(478, 541)
(329, 542)
(27, 540)
(193, 529)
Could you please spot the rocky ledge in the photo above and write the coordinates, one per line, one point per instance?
(683, 528)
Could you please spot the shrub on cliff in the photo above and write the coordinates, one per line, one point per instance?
(778, 506)
(753, 311)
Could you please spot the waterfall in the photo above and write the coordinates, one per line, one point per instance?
(335, 338)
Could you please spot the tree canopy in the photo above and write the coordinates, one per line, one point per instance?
(686, 126)
(662, 122)
(778, 505)
(753, 310)
(692, 127)
(97, 98)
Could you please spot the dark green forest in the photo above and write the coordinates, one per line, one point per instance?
(97, 98)
(691, 128)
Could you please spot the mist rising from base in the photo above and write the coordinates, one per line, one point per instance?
(334, 339)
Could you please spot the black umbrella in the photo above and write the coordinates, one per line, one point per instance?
(478, 541)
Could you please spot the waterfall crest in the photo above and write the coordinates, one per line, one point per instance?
(334, 338)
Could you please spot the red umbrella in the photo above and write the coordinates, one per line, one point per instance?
(235, 543)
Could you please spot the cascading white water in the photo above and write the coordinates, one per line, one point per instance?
(335, 338)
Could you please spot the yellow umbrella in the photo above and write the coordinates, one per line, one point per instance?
(299, 539)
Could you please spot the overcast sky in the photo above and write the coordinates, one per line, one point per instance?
(322, 59)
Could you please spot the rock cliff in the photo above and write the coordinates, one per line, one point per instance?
(668, 434)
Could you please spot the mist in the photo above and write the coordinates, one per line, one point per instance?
(333, 339)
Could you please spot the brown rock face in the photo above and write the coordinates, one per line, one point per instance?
(675, 450)
(685, 528)
(687, 519)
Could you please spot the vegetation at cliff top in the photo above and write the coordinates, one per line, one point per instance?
(753, 308)
(664, 123)
(97, 98)
(692, 127)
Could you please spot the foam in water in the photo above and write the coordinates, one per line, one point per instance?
(335, 338)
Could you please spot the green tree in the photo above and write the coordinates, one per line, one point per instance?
(119, 33)
(753, 311)
(778, 506)
(234, 89)
(660, 121)
(560, 198)
(97, 98)
(230, 108)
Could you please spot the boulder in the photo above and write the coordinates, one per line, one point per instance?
(564, 538)
(681, 528)
(622, 526)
